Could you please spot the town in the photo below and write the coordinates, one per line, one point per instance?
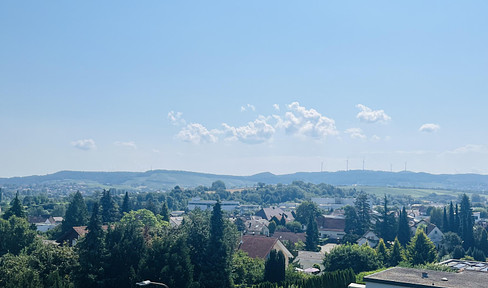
(319, 236)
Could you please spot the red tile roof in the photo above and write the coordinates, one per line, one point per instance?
(257, 246)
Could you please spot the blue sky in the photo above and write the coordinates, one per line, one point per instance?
(242, 87)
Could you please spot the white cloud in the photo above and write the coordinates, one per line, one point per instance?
(355, 133)
(84, 144)
(248, 106)
(276, 107)
(197, 133)
(371, 116)
(429, 128)
(375, 138)
(176, 118)
(300, 121)
(258, 131)
(470, 148)
(129, 144)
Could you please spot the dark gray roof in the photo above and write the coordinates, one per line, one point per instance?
(409, 277)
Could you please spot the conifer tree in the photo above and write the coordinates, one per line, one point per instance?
(217, 266)
(466, 222)
(91, 251)
(274, 268)
(352, 220)
(110, 209)
(451, 217)
(382, 252)
(362, 209)
(76, 214)
(125, 204)
(16, 208)
(421, 250)
(165, 212)
(445, 221)
(457, 221)
(396, 253)
(403, 228)
(312, 238)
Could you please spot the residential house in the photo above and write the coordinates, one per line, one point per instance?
(43, 223)
(257, 226)
(261, 246)
(431, 230)
(175, 221)
(290, 237)
(369, 237)
(73, 235)
(331, 226)
(307, 259)
(278, 213)
(421, 278)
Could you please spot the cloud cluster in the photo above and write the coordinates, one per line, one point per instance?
(258, 131)
(248, 107)
(470, 148)
(371, 116)
(429, 128)
(197, 133)
(84, 144)
(356, 133)
(176, 118)
(297, 120)
(300, 121)
(130, 144)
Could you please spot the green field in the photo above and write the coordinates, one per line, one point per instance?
(414, 192)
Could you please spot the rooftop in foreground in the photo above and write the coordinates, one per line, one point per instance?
(409, 277)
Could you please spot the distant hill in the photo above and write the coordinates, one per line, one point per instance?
(167, 179)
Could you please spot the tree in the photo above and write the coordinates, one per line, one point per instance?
(466, 222)
(76, 214)
(387, 224)
(482, 241)
(15, 271)
(216, 268)
(450, 240)
(362, 209)
(272, 227)
(312, 238)
(218, 185)
(359, 258)
(304, 210)
(125, 204)
(403, 228)
(16, 208)
(165, 212)
(382, 252)
(91, 251)
(445, 221)
(246, 271)
(15, 235)
(396, 253)
(352, 220)
(457, 221)
(110, 209)
(451, 217)
(436, 217)
(274, 268)
(421, 250)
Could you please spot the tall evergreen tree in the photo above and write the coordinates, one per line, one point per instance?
(387, 224)
(362, 209)
(76, 214)
(110, 209)
(466, 222)
(16, 208)
(312, 238)
(396, 253)
(217, 267)
(165, 212)
(457, 221)
(451, 217)
(274, 268)
(382, 252)
(125, 204)
(421, 250)
(352, 220)
(1, 195)
(445, 221)
(403, 228)
(91, 251)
